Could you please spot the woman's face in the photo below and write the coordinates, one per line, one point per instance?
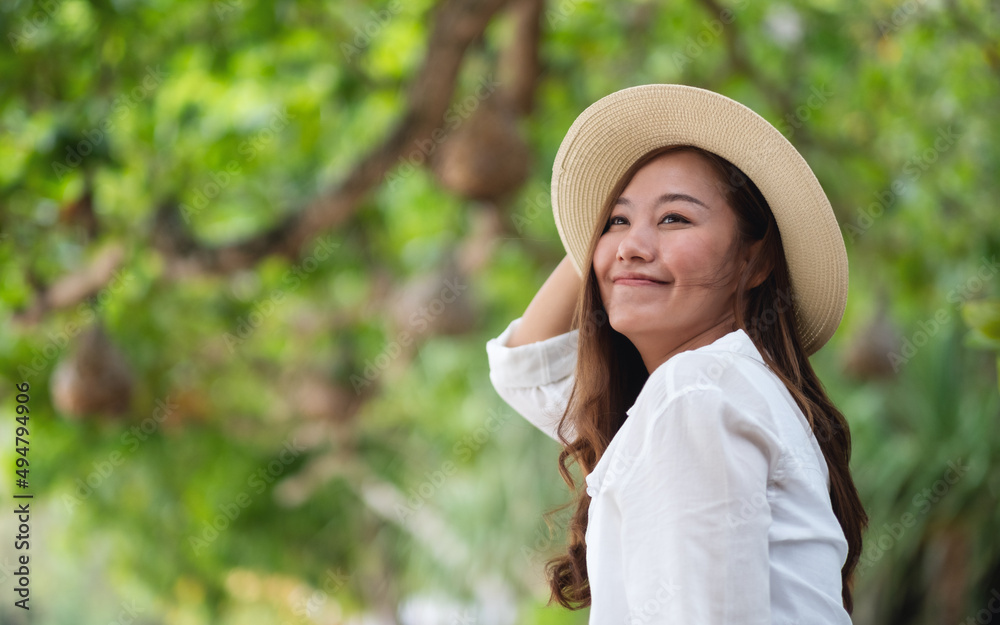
(673, 225)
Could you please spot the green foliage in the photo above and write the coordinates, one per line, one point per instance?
(244, 111)
(983, 317)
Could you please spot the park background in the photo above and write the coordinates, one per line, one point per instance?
(251, 252)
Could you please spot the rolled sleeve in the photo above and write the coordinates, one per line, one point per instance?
(696, 513)
(535, 379)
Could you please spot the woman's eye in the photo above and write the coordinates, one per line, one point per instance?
(668, 218)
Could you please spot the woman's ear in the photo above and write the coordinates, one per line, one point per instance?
(764, 267)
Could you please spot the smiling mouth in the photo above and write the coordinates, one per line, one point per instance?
(638, 282)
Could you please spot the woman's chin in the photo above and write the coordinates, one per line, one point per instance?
(632, 327)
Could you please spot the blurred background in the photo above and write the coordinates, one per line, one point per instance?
(251, 252)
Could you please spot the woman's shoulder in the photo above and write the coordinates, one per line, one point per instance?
(720, 390)
(717, 366)
(730, 371)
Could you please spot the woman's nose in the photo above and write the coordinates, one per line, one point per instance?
(638, 243)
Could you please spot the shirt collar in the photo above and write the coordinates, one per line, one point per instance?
(737, 341)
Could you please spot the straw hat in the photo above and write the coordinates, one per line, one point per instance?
(611, 134)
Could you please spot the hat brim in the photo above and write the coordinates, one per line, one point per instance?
(614, 132)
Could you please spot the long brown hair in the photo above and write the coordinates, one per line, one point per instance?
(610, 373)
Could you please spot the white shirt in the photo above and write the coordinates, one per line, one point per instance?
(711, 504)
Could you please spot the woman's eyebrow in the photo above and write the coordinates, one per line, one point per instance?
(663, 199)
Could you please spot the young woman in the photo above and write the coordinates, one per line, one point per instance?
(668, 354)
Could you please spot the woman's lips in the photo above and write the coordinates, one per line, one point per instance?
(638, 282)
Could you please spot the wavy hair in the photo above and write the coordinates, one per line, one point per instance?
(610, 373)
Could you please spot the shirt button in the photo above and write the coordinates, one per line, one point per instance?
(591, 491)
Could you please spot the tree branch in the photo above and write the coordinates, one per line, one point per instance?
(74, 287)
(456, 24)
(519, 63)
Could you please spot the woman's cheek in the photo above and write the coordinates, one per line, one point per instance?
(693, 256)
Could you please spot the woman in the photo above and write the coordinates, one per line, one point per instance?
(668, 354)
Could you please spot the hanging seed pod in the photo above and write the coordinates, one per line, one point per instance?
(867, 355)
(484, 158)
(94, 378)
